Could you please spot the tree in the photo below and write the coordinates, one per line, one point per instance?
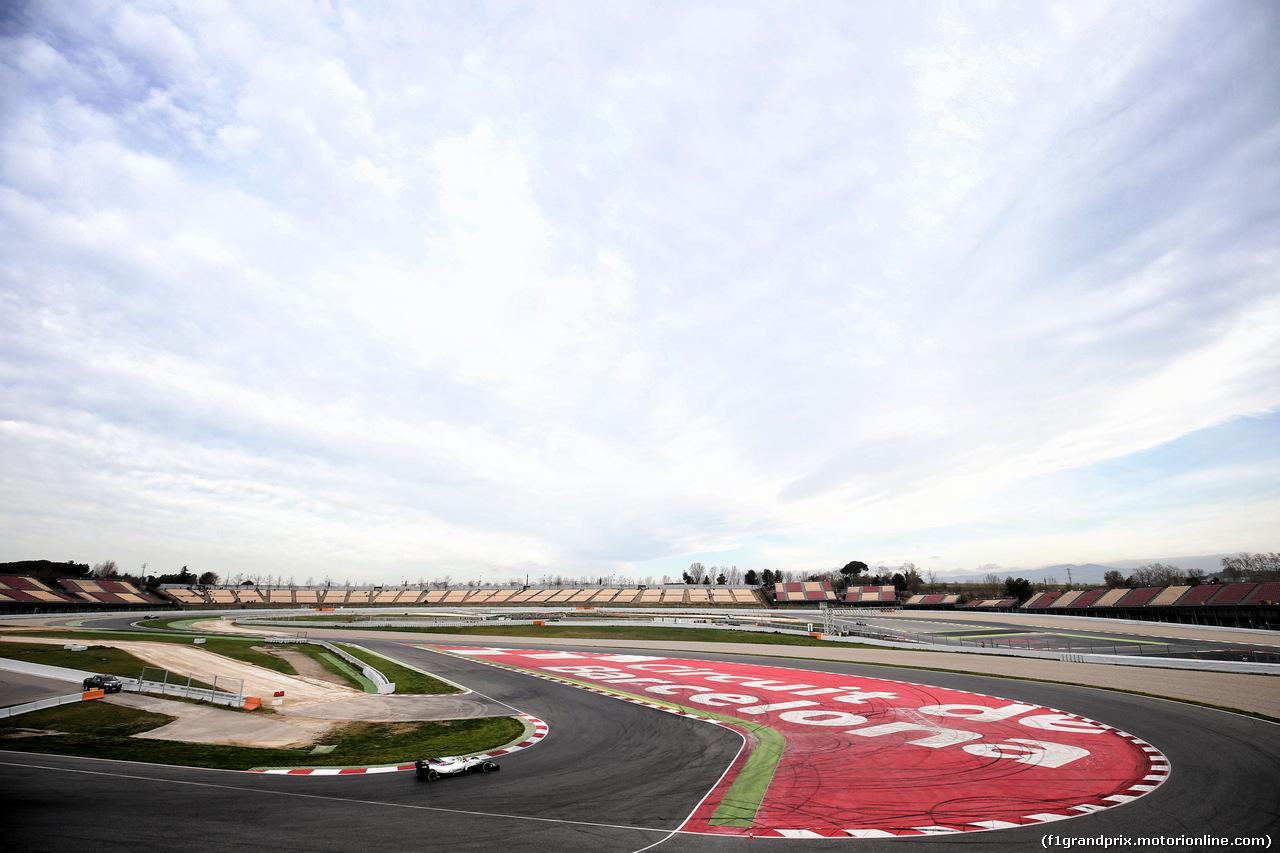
(107, 569)
(209, 579)
(721, 579)
(1255, 567)
(911, 577)
(851, 571)
(1113, 579)
(1018, 588)
(899, 581)
(1156, 574)
(1195, 577)
(697, 571)
(751, 578)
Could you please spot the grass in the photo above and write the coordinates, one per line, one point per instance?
(182, 623)
(406, 680)
(103, 730)
(627, 632)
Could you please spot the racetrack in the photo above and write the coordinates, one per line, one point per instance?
(610, 776)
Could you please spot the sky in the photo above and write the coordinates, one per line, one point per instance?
(385, 291)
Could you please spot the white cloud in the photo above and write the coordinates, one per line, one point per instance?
(467, 289)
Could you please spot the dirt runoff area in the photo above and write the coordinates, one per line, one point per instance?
(204, 666)
(220, 626)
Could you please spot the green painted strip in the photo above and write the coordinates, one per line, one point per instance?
(742, 801)
(346, 669)
(1051, 634)
(1112, 639)
(997, 636)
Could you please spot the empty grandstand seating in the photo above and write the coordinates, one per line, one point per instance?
(551, 597)
(1169, 595)
(1268, 593)
(1110, 597)
(1124, 597)
(806, 591)
(1199, 594)
(186, 596)
(871, 595)
(30, 590)
(1087, 598)
(1139, 597)
(1041, 600)
(992, 602)
(934, 598)
(1233, 593)
(1068, 598)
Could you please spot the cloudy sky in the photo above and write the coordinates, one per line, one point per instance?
(400, 290)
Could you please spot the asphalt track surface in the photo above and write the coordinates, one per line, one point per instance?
(1066, 632)
(610, 776)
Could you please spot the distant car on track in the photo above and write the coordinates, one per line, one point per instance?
(432, 769)
(109, 683)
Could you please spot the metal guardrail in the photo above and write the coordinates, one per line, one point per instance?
(40, 705)
(165, 687)
(381, 683)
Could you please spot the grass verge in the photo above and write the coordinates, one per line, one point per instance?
(406, 679)
(627, 632)
(103, 730)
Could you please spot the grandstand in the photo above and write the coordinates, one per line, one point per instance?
(1041, 600)
(1232, 593)
(698, 596)
(1087, 598)
(991, 602)
(1266, 593)
(871, 595)
(30, 591)
(806, 591)
(1139, 597)
(933, 600)
(1244, 604)
(1248, 604)
(1199, 595)
(1067, 599)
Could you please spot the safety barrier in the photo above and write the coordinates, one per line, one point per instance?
(162, 685)
(381, 683)
(41, 704)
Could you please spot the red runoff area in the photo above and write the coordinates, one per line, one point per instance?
(872, 757)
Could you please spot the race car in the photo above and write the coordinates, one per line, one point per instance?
(432, 769)
(106, 683)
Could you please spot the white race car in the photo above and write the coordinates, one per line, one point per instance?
(432, 769)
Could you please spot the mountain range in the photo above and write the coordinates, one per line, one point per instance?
(1089, 573)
